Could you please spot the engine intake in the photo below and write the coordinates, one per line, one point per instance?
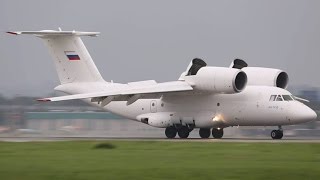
(282, 80)
(240, 82)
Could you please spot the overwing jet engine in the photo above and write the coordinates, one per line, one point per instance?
(214, 79)
(260, 76)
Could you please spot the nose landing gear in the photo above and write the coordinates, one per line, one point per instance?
(277, 134)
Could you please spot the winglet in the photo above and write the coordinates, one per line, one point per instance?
(44, 100)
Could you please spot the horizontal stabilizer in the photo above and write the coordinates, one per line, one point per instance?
(55, 33)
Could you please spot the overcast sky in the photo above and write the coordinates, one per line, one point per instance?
(145, 39)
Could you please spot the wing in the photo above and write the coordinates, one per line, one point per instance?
(131, 93)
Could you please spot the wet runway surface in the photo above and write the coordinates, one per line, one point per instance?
(210, 140)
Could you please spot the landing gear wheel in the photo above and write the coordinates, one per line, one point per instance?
(276, 134)
(171, 132)
(183, 132)
(204, 133)
(280, 134)
(217, 133)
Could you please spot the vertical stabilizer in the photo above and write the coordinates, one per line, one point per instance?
(72, 59)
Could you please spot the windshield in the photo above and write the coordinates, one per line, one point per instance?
(287, 98)
(281, 98)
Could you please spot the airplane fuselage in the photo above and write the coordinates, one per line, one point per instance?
(251, 107)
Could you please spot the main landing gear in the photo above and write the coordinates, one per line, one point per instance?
(277, 134)
(204, 133)
(216, 133)
(171, 132)
(182, 131)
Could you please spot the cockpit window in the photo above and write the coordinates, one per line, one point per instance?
(272, 97)
(279, 98)
(287, 97)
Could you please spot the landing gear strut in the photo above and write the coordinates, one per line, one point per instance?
(171, 132)
(217, 133)
(204, 133)
(277, 134)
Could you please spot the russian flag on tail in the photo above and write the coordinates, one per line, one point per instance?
(72, 55)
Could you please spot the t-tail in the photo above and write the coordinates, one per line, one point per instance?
(72, 59)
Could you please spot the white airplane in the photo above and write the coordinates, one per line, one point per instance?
(205, 97)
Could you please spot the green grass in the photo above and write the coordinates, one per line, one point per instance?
(158, 160)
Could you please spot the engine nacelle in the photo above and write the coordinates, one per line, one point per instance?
(160, 119)
(218, 80)
(258, 76)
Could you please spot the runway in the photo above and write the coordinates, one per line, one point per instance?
(224, 140)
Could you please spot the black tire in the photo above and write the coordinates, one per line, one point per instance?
(280, 134)
(217, 133)
(171, 132)
(276, 134)
(204, 133)
(183, 132)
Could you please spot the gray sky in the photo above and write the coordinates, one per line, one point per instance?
(145, 39)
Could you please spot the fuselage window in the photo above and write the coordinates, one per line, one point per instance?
(287, 98)
(279, 98)
(272, 97)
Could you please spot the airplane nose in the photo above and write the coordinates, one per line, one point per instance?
(305, 114)
(313, 115)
